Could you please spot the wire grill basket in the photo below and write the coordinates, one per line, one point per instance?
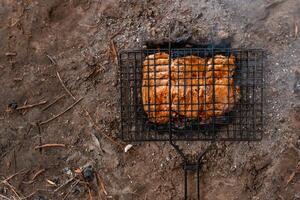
(141, 73)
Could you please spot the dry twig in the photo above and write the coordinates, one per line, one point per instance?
(12, 188)
(73, 185)
(291, 177)
(49, 145)
(30, 106)
(116, 33)
(10, 53)
(113, 50)
(51, 104)
(50, 182)
(40, 135)
(51, 59)
(56, 116)
(64, 86)
(90, 194)
(4, 197)
(37, 173)
(64, 184)
(296, 30)
(13, 175)
(101, 184)
(34, 176)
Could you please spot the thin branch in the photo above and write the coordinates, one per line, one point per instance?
(56, 100)
(114, 51)
(51, 59)
(13, 189)
(64, 184)
(73, 185)
(34, 176)
(56, 116)
(116, 33)
(101, 184)
(4, 197)
(15, 174)
(32, 105)
(38, 173)
(64, 86)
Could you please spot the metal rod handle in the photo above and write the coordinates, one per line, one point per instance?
(195, 167)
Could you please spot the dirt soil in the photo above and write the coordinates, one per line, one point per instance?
(74, 38)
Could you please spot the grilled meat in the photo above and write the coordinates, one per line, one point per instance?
(199, 88)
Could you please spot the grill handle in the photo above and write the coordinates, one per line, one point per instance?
(189, 170)
(190, 167)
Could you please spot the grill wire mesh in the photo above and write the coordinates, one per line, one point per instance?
(243, 122)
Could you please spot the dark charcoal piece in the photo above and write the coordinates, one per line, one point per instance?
(88, 173)
(13, 104)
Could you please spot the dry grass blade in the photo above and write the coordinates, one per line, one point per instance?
(49, 145)
(32, 105)
(56, 116)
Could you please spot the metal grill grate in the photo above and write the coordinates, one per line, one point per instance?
(243, 121)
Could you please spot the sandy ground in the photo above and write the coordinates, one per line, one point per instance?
(73, 37)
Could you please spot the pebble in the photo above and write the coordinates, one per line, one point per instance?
(88, 173)
(13, 104)
(67, 171)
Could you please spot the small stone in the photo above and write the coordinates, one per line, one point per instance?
(67, 171)
(13, 104)
(88, 173)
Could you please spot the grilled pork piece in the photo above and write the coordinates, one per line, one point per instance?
(199, 89)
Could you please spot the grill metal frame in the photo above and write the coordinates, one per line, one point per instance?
(243, 123)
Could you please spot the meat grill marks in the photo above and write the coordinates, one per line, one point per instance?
(198, 90)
